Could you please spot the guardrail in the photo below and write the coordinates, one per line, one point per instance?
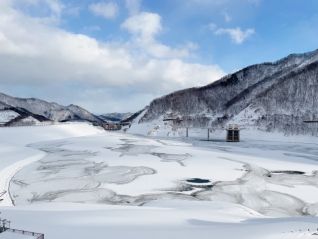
(27, 233)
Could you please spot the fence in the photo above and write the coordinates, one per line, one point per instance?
(27, 233)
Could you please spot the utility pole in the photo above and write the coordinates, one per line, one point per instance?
(208, 134)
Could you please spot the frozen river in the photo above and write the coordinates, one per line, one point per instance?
(104, 182)
(272, 178)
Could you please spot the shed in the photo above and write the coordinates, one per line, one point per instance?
(233, 133)
(112, 126)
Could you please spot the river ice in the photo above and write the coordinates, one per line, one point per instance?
(79, 171)
(67, 187)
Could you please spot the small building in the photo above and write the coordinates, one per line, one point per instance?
(233, 133)
(112, 126)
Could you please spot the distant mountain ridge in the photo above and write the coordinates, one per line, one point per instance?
(115, 117)
(275, 96)
(29, 111)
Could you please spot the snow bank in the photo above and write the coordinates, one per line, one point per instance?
(14, 155)
(29, 134)
(161, 219)
(12, 235)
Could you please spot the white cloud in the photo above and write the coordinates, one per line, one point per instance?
(227, 17)
(51, 10)
(144, 27)
(221, 2)
(133, 6)
(72, 10)
(55, 6)
(36, 55)
(108, 10)
(212, 26)
(237, 35)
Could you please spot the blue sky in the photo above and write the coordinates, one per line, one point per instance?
(118, 55)
(281, 27)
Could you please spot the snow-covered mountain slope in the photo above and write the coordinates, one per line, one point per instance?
(7, 115)
(115, 117)
(32, 111)
(276, 96)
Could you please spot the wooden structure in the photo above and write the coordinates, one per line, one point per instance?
(112, 126)
(310, 121)
(5, 227)
(208, 135)
(233, 133)
(209, 130)
(176, 120)
(35, 235)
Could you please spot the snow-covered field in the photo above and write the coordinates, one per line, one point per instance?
(77, 181)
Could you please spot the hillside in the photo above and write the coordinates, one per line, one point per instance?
(30, 111)
(115, 117)
(275, 96)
